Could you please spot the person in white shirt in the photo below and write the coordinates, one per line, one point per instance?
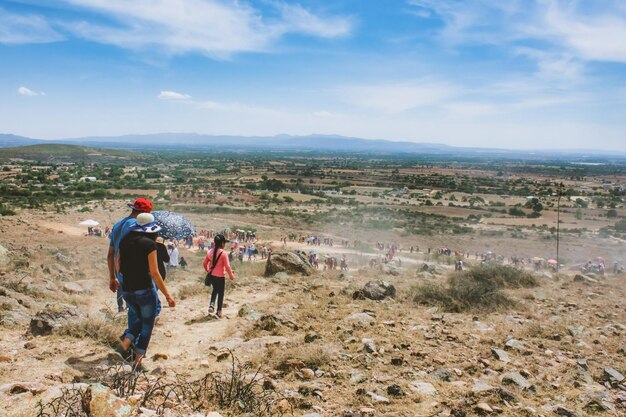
(173, 252)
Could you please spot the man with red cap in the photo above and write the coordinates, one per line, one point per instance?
(121, 229)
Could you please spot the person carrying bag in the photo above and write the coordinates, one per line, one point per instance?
(215, 277)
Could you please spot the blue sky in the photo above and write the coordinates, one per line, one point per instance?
(511, 74)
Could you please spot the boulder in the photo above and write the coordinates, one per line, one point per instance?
(288, 262)
(52, 317)
(375, 290)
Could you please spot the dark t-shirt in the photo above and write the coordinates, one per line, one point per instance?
(162, 257)
(134, 251)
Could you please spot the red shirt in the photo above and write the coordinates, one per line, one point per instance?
(221, 267)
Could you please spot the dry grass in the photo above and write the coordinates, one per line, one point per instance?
(103, 331)
(296, 356)
(479, 288)
(191, 290)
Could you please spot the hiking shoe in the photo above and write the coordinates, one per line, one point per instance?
(211, 309)
(219, 315)
(127, 355)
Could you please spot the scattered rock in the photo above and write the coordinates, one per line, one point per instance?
(159, 356)
(361, 319)
(517, 345)
(575, 331)
(73, 288)
(391, 269)
(517, 379)
(397, 361)
(480, 386)
(395, 390)
(422, 388)
(500, 355)
(562, 411)
(357, 378)
(369, 345)
(22, 387)
(288, 262)
(311, 337)
(483, 407)
(612, 376)
(104, 403)
(222, 356)
(442, 375)
(307, 373)
(64, 259)
(245, 310)
(597, 400)
(378, 398)
(375, 290)
(51, 318)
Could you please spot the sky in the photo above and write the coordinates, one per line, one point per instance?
(518, 74)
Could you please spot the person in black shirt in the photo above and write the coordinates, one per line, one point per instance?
(139, 265)
(162, 257)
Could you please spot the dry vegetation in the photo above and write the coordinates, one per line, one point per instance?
(446, 344)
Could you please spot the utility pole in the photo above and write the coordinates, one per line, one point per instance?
(558, 222)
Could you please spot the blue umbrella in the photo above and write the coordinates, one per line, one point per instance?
(174, 226)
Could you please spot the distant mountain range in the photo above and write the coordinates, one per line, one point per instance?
(311, 143)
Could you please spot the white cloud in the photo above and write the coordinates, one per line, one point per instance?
(596, 37)
(212, 27)
(173, 95)
(592, 31)
(298, 19)
(25, 91)
(399, 97)
(18, 29)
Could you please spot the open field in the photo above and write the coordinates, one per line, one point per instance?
(552, 348)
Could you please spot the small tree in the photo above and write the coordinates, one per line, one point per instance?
(611, 214)
(578, 214)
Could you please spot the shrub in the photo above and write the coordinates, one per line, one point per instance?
(105, 332)
(479, 288)
(517, 212)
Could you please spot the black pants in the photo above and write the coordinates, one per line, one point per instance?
(218, 291)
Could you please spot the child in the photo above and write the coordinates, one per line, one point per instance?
(216, 264)
(183, 263)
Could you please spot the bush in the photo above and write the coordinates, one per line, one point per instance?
(105, 332)
(479, 288)
(517, 212)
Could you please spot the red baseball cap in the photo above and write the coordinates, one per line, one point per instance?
(142, 204)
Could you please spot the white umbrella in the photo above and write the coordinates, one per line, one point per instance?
(89, 222)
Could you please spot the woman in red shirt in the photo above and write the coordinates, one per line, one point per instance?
(216, 265)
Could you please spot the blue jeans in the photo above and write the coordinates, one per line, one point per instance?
(143, 304)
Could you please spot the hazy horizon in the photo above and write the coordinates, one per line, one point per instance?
(524, 75)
